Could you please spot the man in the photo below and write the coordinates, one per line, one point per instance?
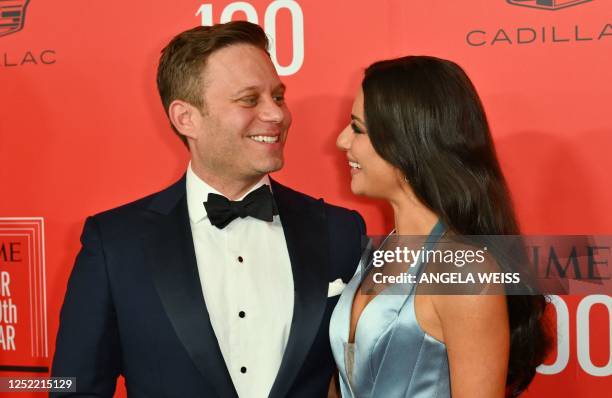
(187, 294)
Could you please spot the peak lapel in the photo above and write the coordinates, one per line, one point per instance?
(172, 262)
(305, 227)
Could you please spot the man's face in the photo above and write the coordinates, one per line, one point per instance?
(242, 129)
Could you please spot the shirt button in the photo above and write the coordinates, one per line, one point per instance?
(243, 370)
(241, 314)
(240, 259)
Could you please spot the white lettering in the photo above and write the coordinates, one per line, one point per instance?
(7, 338)
(583, 336)
(562, 332)
(205, 11)
(5, 280)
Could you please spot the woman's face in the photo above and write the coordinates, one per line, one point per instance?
(371, 175)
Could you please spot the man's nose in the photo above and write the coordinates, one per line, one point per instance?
(272, 111)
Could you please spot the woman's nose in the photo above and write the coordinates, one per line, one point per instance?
(343, 142)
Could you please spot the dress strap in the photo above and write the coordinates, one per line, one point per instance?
(436, 233)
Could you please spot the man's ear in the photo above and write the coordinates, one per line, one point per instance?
(184, 117)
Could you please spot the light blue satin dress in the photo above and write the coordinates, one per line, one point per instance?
(391, 356)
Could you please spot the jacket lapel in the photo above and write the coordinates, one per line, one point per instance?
(172, 261)
(305, 228)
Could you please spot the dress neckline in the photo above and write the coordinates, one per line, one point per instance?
(435, 234)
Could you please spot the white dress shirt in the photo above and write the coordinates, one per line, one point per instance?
(247, 284)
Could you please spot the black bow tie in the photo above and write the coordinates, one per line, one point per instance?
(259, 204)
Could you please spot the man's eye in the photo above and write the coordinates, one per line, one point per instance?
(279, 98)
(249, 100)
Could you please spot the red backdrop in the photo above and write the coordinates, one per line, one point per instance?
(82, 130)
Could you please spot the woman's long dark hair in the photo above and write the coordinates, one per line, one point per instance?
(423, 116)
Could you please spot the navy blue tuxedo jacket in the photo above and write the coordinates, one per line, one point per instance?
(134, 303)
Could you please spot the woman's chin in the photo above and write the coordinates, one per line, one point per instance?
(357, 188)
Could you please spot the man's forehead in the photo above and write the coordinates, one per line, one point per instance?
(241, 66)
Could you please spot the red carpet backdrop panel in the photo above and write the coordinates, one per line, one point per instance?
(82, 130)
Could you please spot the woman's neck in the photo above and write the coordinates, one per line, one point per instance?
(412, 217)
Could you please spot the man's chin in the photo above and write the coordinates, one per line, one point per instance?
(271, 167)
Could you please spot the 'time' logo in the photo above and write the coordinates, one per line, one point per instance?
(12, 16)
(547, 4)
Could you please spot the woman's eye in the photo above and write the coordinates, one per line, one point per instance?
(356, 128)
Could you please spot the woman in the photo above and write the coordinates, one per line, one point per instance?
(419, 139)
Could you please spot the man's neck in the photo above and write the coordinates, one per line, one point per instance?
(233, 189)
